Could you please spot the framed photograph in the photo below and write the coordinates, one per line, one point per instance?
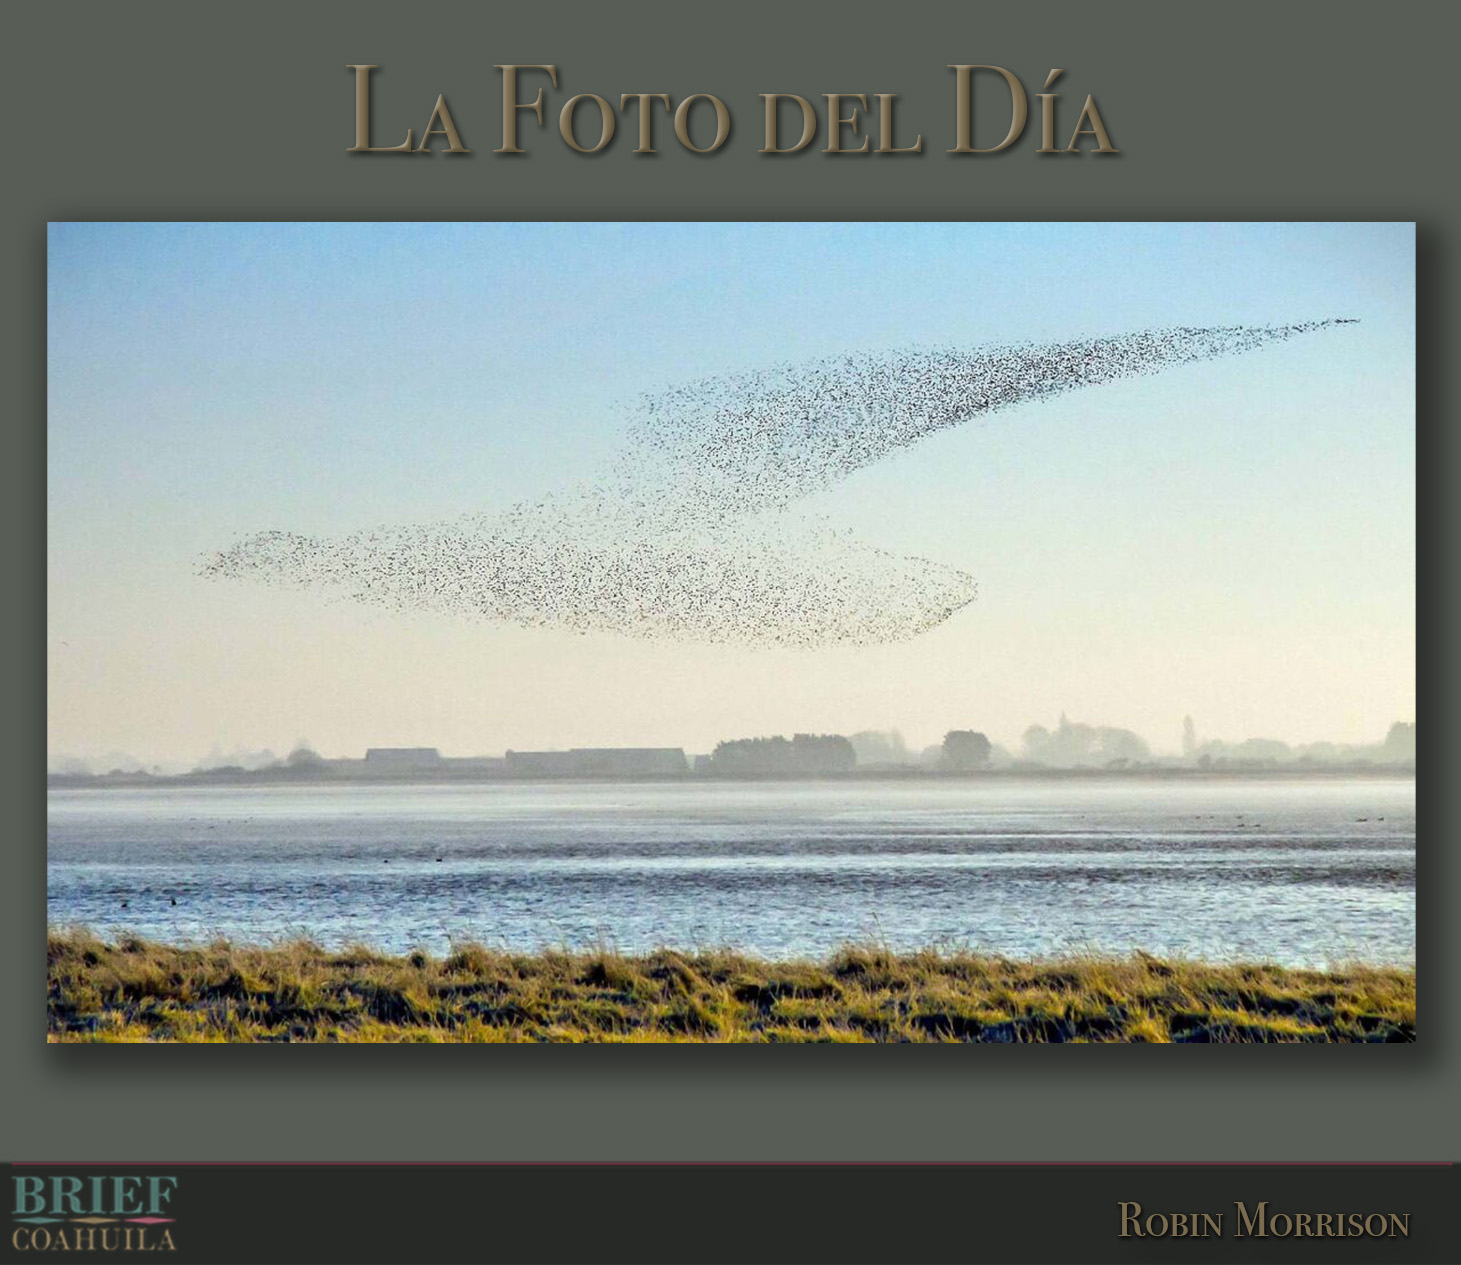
(915, 631)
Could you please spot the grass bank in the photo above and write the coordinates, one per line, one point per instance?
(138, 990)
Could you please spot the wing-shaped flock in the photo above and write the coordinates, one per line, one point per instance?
(687, 535)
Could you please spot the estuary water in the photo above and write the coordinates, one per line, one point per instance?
(1301, 872)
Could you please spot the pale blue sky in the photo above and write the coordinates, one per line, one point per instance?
(1233, 539)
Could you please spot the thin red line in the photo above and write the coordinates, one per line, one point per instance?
(733, 1163)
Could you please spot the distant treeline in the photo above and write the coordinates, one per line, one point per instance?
(805, 753)
(1071, 747)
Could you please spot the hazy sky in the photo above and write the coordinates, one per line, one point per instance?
(1233, 539)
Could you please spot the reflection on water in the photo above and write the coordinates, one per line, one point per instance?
(1301, 872)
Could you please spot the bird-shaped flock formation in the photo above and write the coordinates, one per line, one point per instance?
(686, 535)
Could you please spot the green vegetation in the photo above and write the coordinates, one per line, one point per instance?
(136, 990)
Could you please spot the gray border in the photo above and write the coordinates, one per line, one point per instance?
(1250, 111)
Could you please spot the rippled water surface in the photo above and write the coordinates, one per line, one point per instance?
(1301, 872)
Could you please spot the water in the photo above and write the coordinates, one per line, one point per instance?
(1300, 872)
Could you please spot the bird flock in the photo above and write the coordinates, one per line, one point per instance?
(689, 533)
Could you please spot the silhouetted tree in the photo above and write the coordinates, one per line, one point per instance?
(1074, 744)
(964, 750)
(876, 746)
(805, 753)
(1400, 741)
(823, 753)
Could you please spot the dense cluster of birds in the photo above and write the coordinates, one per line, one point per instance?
(761, 440)
(565, 571)
(687, 535)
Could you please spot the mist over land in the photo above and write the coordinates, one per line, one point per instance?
(1068, 746)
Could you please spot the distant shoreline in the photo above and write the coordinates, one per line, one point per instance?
(295, 777)
(134, 990)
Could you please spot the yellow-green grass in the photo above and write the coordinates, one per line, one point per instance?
(138, 990)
